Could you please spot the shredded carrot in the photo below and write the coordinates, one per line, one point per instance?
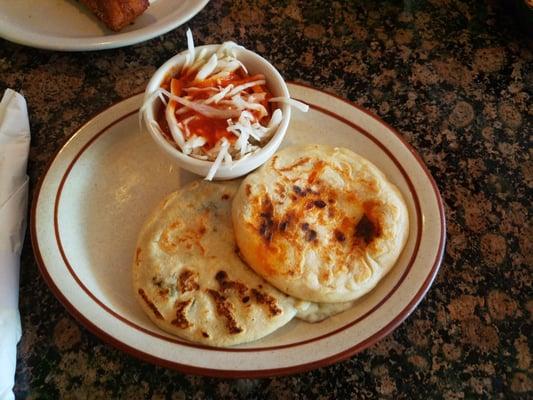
(258, 89)
(248, 79)
(175, 86)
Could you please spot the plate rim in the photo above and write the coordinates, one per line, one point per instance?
(384, 331)
(93, 43)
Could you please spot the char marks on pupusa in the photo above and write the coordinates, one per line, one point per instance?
(320, 223)
(189, 279)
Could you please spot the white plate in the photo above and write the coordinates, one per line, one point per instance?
(67, 25)
(102, 184)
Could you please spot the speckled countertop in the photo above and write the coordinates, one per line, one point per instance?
(454, 77)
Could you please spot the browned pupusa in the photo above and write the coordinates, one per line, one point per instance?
(320, 223)
(188, 278)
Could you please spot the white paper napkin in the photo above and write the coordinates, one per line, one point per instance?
(14, 147)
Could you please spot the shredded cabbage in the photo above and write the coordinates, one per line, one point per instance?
(293, 103)
(223, 150)
(241, 105)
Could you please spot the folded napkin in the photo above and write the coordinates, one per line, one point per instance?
(14, 147)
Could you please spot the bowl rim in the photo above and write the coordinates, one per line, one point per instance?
(247, 163)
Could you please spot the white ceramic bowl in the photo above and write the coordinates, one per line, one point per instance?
(255, 65)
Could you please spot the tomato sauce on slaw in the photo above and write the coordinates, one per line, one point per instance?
(211, 129)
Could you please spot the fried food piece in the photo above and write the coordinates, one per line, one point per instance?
(116, 14)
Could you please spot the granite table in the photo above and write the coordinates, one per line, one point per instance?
(454, 77)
